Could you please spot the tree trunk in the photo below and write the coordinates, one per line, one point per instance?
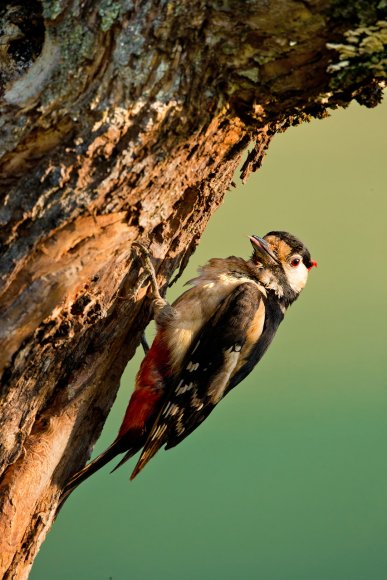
(125, 121)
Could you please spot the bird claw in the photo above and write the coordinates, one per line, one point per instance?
(143, 254)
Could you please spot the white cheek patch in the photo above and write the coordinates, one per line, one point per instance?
(297, 277)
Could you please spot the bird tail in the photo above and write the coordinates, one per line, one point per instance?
(116, 448)
(120, 445)
(148, 452)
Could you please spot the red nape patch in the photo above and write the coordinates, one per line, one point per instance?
(314, 265)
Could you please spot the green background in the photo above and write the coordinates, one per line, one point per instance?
(288, 477)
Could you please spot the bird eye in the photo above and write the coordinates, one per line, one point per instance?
(295, 262)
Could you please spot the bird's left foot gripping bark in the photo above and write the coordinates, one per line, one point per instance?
(162, 310)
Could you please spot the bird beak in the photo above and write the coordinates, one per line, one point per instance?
(313, 264)
(262, 248)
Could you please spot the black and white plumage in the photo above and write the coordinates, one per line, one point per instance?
(207, 342)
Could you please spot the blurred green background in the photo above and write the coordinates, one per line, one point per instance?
(288, 477)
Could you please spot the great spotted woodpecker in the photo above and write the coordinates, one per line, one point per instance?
(207, 342)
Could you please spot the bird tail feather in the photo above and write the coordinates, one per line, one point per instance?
(112, 451)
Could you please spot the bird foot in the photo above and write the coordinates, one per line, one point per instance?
(159, 303)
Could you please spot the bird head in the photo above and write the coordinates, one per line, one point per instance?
(283, 263)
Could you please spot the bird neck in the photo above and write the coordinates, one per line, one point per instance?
(275, 283)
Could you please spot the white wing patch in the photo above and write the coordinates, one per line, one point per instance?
(218, 386)
(184, 388)
(192, 366)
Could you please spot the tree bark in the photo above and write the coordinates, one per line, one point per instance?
(125, 121)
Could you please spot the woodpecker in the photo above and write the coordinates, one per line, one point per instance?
(207, 342)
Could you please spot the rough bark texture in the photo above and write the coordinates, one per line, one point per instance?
(125, 120)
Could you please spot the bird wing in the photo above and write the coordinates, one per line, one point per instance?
(220, 348)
